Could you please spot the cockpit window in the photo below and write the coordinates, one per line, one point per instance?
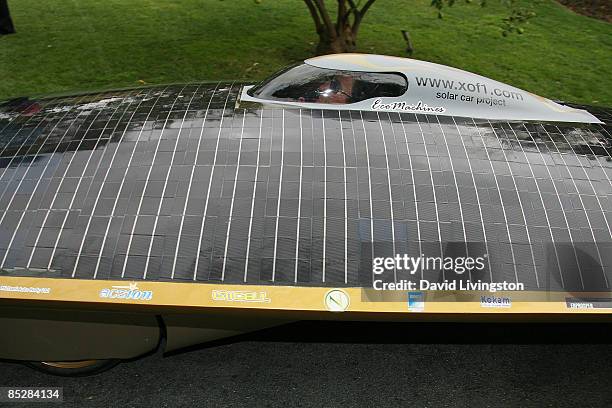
(305, 83)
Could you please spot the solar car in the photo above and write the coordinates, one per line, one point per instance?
(346, 187)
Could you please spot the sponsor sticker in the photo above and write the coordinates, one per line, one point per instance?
(24, 289)
(416, 301)
(594, 303)
(128, 292)
(407, 107)
(240, 296)
(495, 301)
(337, 300)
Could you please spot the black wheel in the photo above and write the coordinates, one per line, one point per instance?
(73, 368)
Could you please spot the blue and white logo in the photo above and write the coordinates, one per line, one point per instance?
(129, 292)
(416, 301)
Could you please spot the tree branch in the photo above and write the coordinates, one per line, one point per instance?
(366, 7)
(352, 5)
(314, 15)
(331, 31)
(341, 15)
(352, 9)
(359, 16)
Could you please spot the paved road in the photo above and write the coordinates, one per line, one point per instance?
(361, 365)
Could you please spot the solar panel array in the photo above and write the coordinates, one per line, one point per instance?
(179, 184)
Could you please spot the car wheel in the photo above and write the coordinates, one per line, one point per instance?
(73, 368)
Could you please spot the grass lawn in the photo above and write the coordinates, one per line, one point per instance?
(64, 46)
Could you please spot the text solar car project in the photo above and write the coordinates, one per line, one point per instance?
(349, 186)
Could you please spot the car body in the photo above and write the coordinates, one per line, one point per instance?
(196, 212)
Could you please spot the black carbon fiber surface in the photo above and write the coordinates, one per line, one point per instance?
(178, 183)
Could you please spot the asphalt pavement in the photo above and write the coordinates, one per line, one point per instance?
(315, 364)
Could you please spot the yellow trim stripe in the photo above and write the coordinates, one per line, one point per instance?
(285, 298)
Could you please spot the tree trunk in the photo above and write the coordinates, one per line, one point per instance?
(340, 36)
(341, 43)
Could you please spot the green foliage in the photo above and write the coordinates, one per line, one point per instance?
(512, 23)
(515, 20)
(64, 46)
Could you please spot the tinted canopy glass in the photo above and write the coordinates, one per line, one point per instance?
(305, 83)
